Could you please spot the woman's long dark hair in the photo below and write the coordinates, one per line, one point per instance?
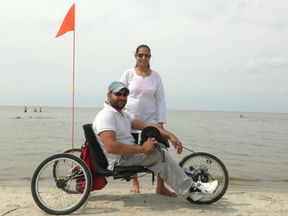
(137, 50)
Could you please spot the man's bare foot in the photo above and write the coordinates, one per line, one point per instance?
(165, 191)
(135, 190)
(136, 186)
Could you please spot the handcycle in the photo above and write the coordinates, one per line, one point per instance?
(56, 187)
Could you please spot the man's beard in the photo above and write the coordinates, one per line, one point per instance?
(116, 104)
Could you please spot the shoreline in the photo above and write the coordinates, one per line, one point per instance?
(116, 199)
(265, 185)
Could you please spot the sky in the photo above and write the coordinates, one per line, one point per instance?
(212, 55)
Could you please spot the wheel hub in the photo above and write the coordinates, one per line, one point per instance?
(61, 183)
(203, 177)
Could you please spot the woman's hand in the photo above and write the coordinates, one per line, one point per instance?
(160, 124)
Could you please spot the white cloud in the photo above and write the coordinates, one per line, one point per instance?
(275, 62)
(264, 63)
(252, 65)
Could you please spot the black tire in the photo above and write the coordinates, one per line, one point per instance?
(54, 195)
(76, 151)
(206, 167)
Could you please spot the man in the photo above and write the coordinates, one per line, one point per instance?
(112, 128)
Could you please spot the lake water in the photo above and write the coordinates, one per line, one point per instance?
(252, 148)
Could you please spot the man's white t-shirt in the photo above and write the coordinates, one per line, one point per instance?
(110, 119)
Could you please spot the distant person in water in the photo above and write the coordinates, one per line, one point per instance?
(40, 109)
(25, 109)
(35, 110)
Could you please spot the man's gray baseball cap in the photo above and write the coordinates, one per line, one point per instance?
(117, 86)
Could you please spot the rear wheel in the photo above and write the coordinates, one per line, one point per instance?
(205, 167)
(68, 190)
(77, 152)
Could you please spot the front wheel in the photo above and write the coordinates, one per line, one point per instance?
(68, 190)
(205, 167)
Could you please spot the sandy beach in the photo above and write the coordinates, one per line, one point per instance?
(115, 199)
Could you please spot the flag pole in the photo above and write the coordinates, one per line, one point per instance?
(68, 24)
(73, 92)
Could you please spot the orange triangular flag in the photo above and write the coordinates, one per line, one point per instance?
(68, 23)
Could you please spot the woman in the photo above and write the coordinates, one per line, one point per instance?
(146, 101)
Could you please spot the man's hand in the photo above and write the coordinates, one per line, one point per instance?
(149, 145)
(177, 144)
